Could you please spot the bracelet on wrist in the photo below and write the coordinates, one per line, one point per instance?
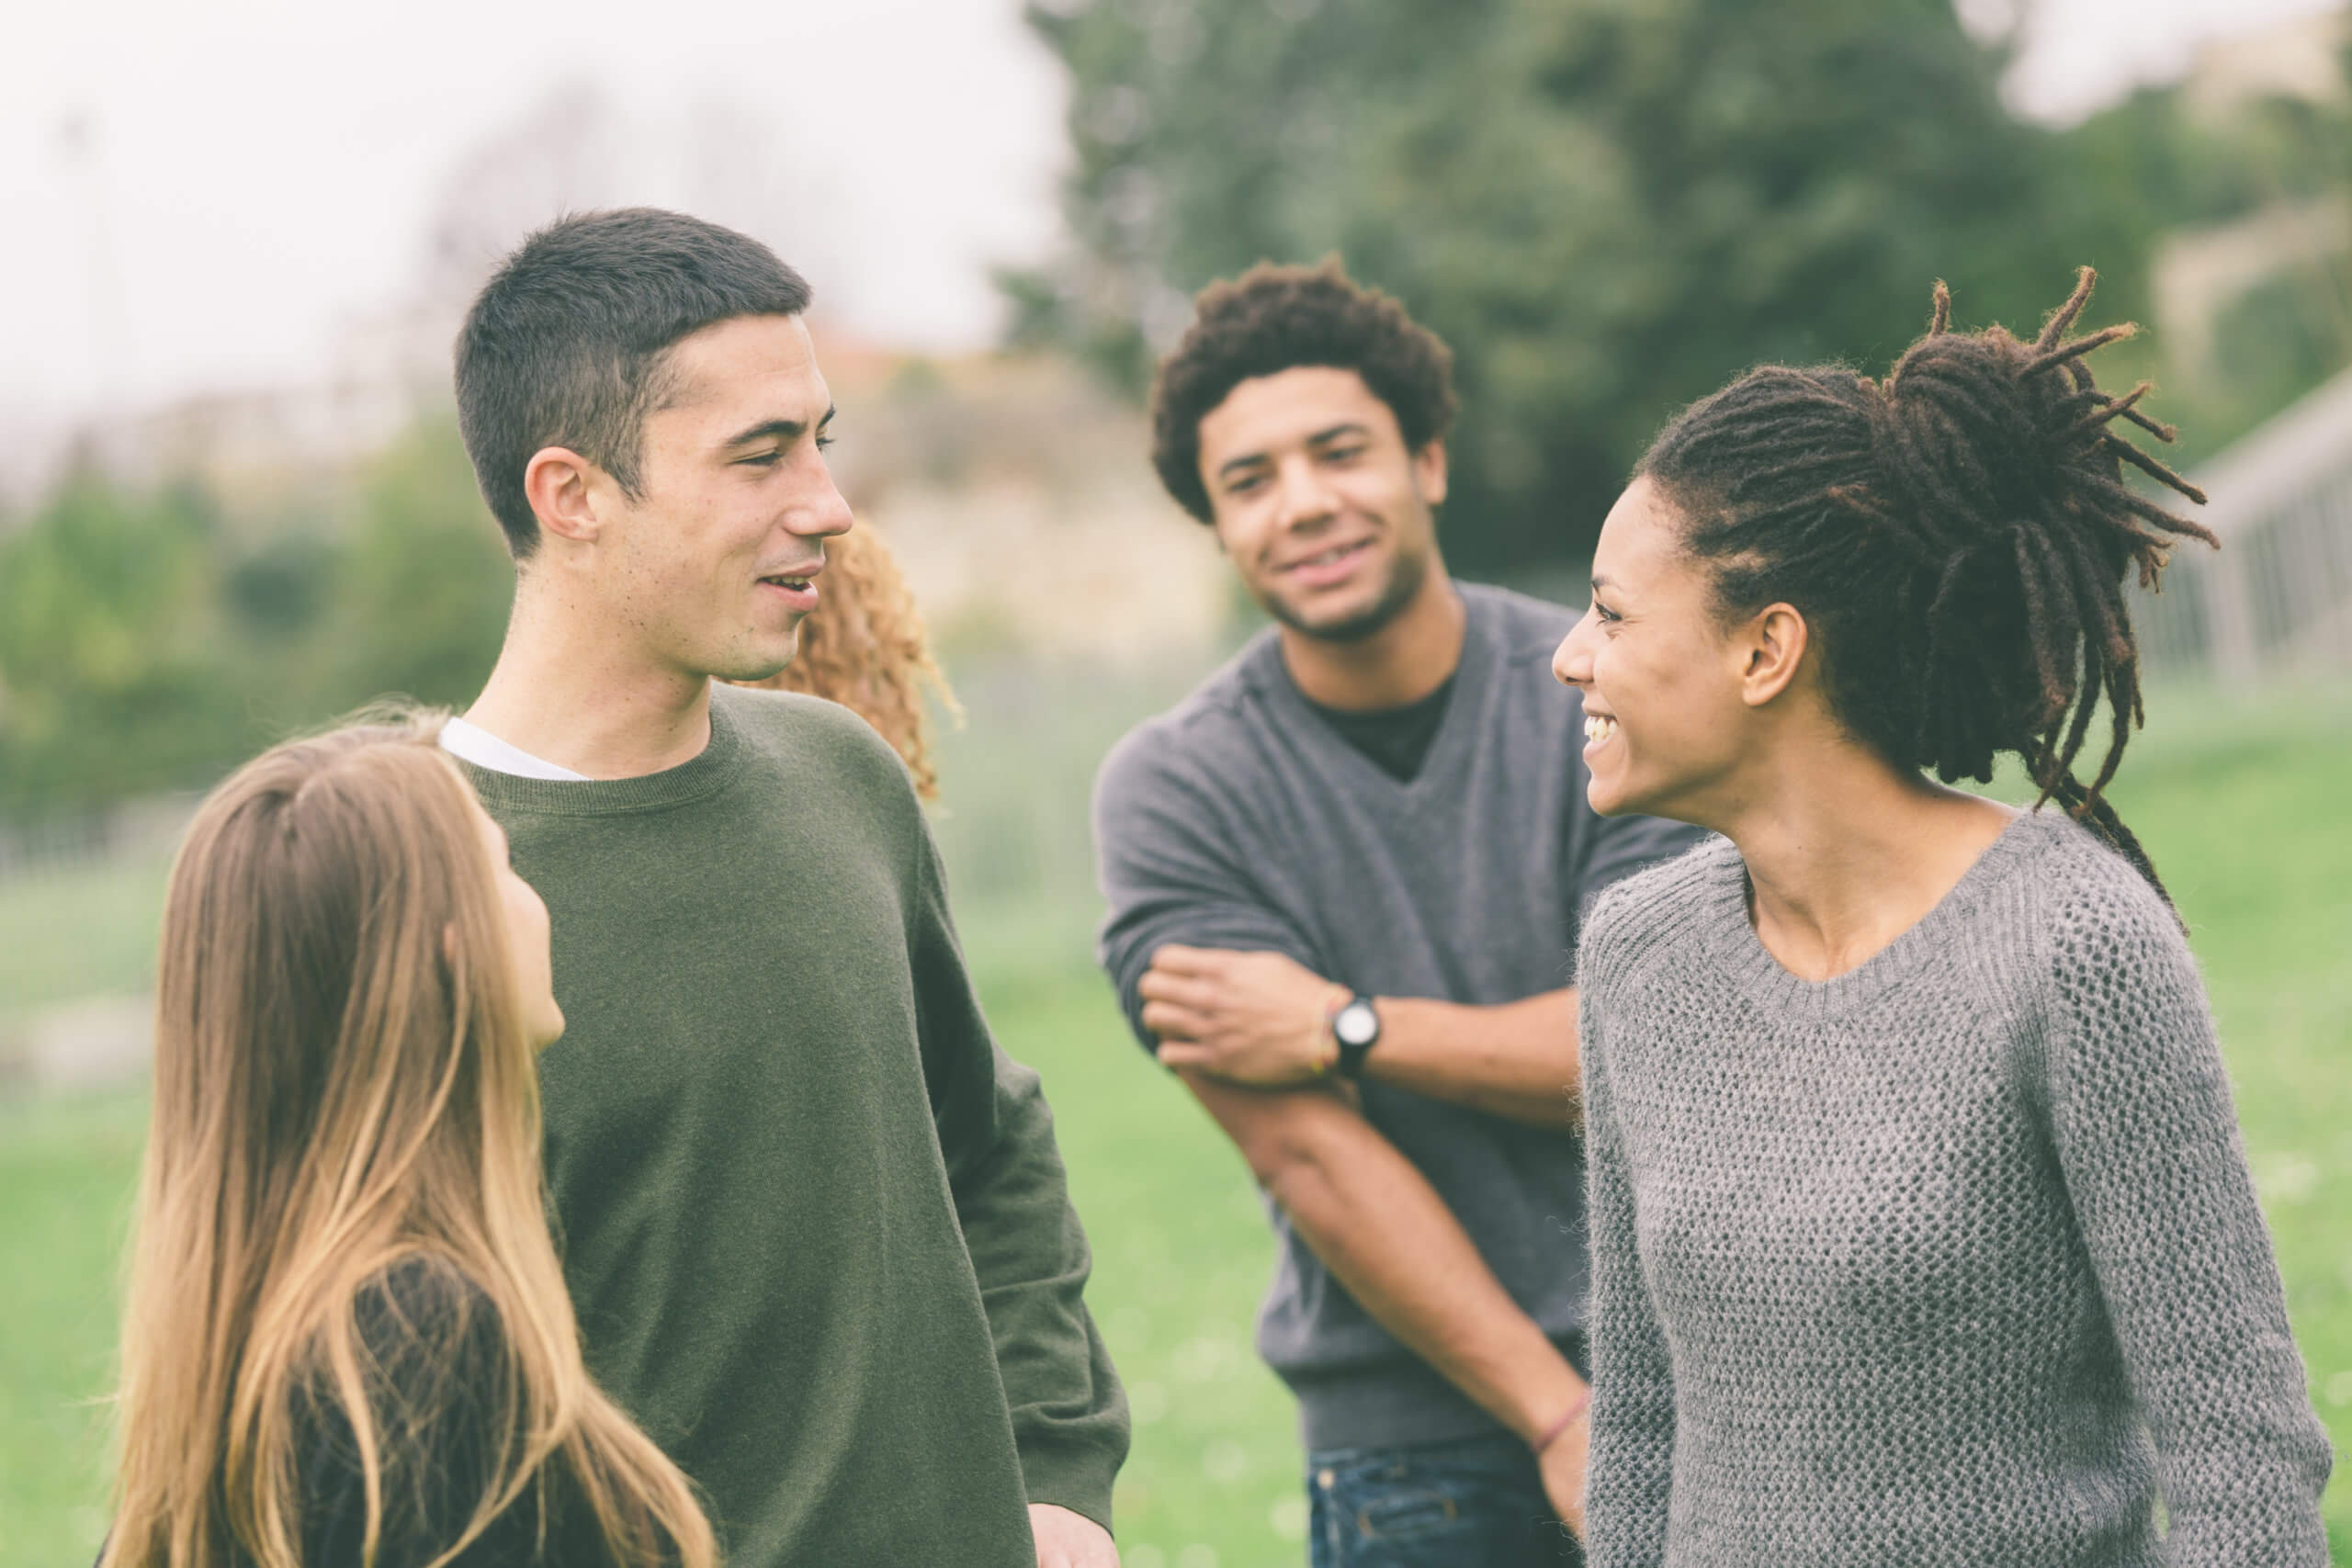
(1576, 1412)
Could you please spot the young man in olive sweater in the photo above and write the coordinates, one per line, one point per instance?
(813, 1218)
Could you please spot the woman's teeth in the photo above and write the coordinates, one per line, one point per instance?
(1598, 730)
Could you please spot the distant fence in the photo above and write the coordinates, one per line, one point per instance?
(2276, 599)
(149, 826)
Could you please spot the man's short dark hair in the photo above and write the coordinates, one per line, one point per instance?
(568, 344)
(1272, 319)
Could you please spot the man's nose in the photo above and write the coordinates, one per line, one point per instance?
(1304, 496)
(822, 513)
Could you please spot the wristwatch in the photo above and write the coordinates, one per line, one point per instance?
(1356, 1026)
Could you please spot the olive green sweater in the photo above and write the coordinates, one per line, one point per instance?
(813, 1219)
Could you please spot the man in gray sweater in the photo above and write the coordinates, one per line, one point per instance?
(1344, 880)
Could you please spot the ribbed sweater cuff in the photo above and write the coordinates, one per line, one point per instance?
(1073, 1471)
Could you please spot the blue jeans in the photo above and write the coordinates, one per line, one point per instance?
(1472, 1502)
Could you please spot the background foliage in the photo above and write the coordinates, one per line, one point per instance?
(148, 641)
(1609, 209)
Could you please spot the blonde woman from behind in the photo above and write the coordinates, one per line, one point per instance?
(347, 1339)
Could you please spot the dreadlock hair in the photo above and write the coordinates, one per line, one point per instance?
(1958, 535)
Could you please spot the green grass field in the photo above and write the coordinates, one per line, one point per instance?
(2245, 811)
(67, 935)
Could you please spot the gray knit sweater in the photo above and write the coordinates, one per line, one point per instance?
(1952, 1259)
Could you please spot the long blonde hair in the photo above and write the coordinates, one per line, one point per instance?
(344, 1083)
(864, 647)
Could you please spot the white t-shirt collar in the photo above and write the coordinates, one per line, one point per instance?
(483, 749)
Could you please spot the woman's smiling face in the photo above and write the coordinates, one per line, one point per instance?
(1666, 720)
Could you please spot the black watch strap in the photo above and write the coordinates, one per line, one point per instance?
(1356, 1026)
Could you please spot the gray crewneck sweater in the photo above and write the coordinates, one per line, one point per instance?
(1952, 1259)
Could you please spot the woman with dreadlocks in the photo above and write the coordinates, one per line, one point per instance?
(1921, 1229)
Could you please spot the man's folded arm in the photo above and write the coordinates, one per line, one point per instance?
(1173, 882)
(1168, 878)
(1365, 1210)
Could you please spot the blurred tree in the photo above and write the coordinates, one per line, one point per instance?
(278, 593)
(1608, 208)
(2244, 200)
(104, 637)
(145, 647)
(424, 585)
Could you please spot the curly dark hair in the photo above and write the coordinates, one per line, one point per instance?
(1959, 535)
(1272, 319)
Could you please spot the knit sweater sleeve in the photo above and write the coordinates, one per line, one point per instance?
(2148, 1146)
(1069, 1413)
(1173, 870)
(1630, 1470)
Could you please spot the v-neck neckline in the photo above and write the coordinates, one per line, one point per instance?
(1740, 951)
(1468, 681)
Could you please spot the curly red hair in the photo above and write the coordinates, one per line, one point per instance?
(864, 647)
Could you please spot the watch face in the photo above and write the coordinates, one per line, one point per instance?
(1357, 1024)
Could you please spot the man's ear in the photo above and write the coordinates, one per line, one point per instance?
(1771, 647)
(562, 486)
(1430, 470)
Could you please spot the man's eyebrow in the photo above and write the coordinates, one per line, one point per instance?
(778, 429)
(1322, 437)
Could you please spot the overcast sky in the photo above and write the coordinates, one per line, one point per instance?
(208, 192)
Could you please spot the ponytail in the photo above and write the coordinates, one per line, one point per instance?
(1959, 534)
